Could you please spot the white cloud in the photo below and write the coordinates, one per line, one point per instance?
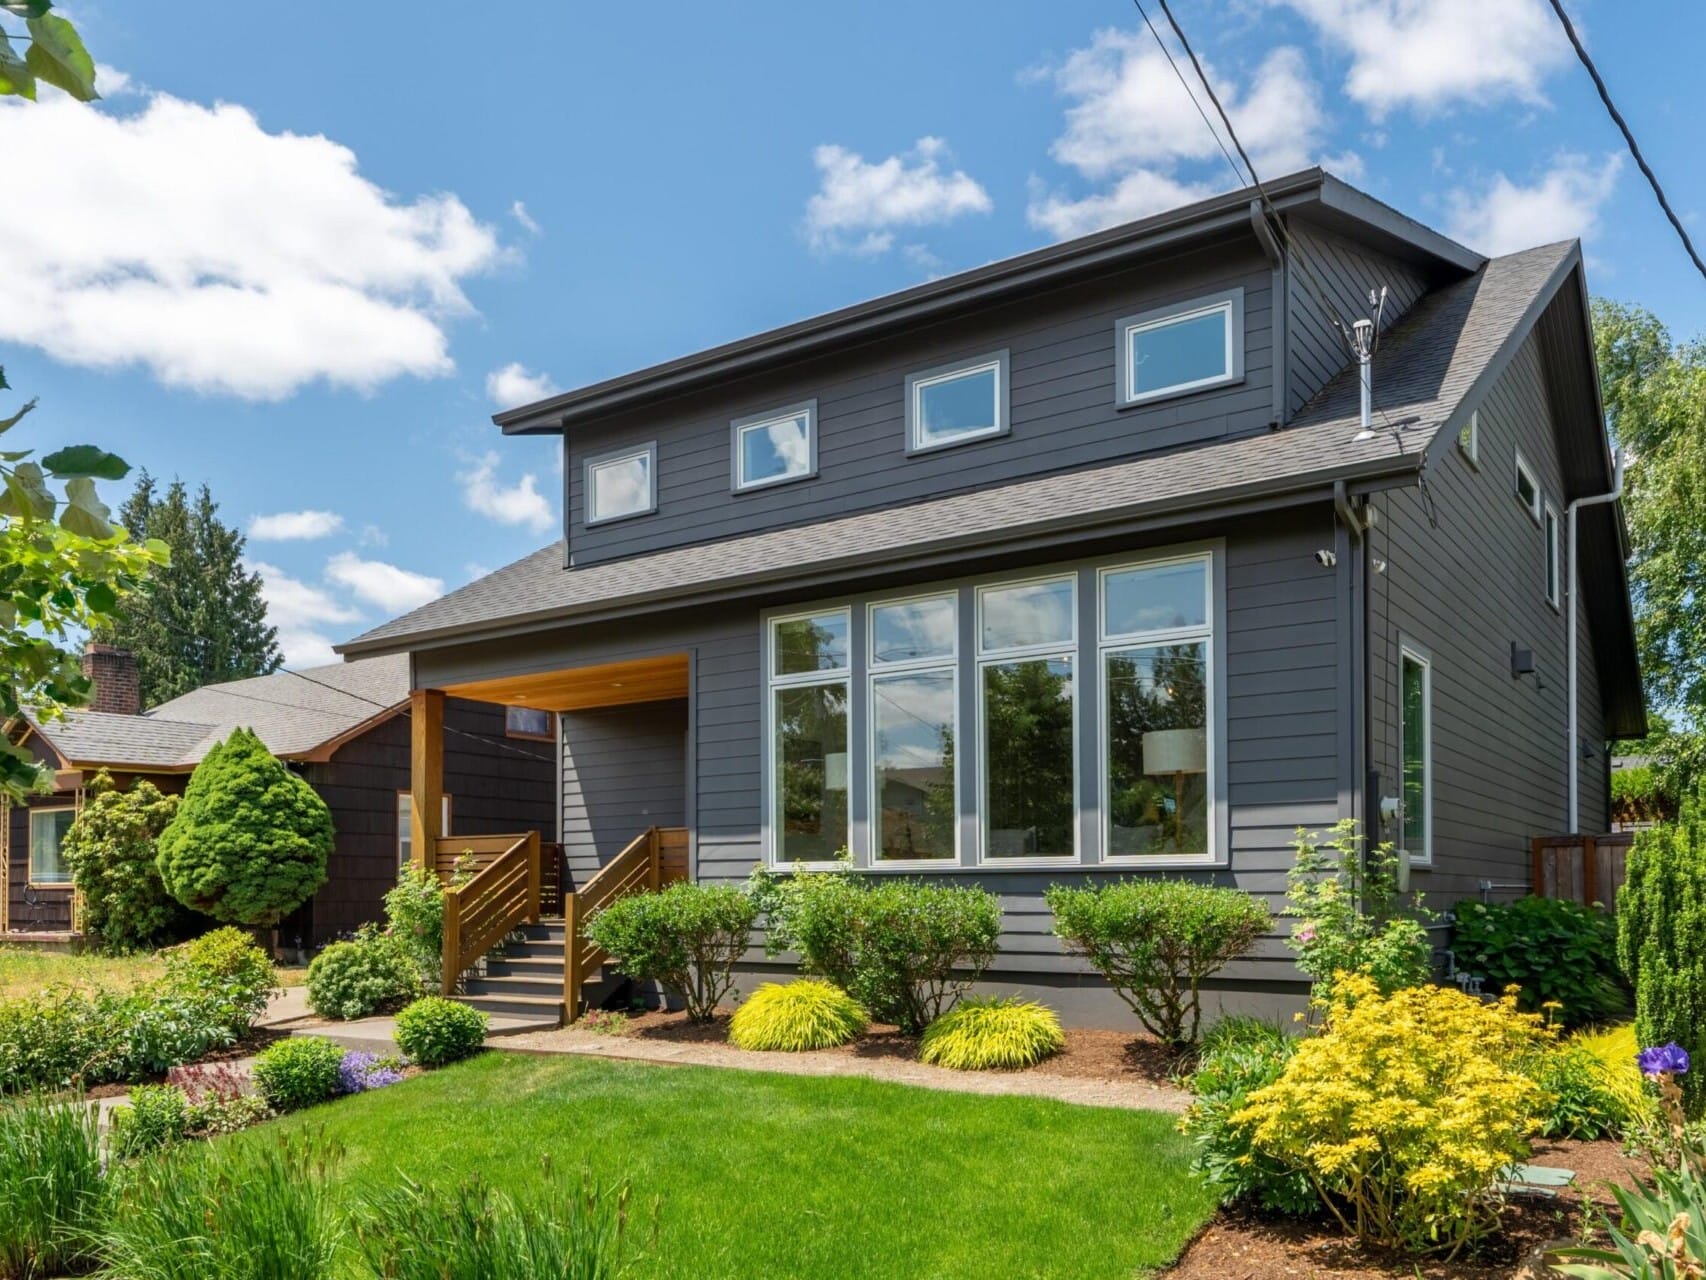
(514, 384)
(518, 211)
(223, 258)
(304, 648)
(859, 202)
(1432, 54)
(294, 526)
(1565, 202)
(385, 585)
(518, 504)
(1131, 121)
(299, 610)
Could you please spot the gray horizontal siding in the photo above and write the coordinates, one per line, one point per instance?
(624, 770)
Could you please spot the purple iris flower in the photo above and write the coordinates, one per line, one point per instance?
(1670, 1059)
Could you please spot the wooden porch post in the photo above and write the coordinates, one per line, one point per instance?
(426, 775)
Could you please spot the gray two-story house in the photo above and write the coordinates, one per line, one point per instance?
(1086, 564)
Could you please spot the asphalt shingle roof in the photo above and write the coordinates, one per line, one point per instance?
(1428, 361)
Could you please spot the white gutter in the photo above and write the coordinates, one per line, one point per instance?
(1595, 500)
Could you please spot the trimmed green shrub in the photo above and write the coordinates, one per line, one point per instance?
(795, 1016)
(111, 851)
(158, 1115)
(434, 1031)
(1155, 941)
(473, 1232)
(52, 1195)
(905, 950)
(1661, 943)
(227, 965)
(353, 979)
(228, 1209)
(1556, 951)
(1240, 1056)
(298, 1072)
(1352, 917)
(1582, 1098)
(992, 1033)
(249, 842)
(688, 937)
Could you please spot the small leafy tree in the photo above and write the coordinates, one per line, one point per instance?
(688, 937)
(249, 842)
(55, 54)
(1156, 941)
(113, 855)
(1352, 916)
(1661, 939)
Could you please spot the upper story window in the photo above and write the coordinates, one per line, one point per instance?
(957, 403)
(527, 722)
(774, 447)
(1554, 559)
(1175, 350)
(1527, 488)
(621, 484)
(1469, 439)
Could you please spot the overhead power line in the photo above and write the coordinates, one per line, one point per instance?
(1628, 135)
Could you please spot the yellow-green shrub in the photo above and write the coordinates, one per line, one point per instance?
(989, 1033)
(796, 1016)
(1404, 1111)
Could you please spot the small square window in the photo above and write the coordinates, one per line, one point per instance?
(1527, 488)
(1181, 349)
(623, 484)
(1469, 439)
(527, 722)
(957, 403)
(775, 447)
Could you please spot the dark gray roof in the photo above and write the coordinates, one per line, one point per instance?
(291, 712)
(1429, 360)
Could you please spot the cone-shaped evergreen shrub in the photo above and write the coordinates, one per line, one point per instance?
(249, 842)
(1661, 938)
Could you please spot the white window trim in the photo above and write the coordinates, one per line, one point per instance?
(1469, 439)
(1107, 642)
(1413, 653)
(1229, 303)
(738, 427)
(916, 383)
(1527, 472)
(646, 451)
(1553, 556)
(875, 672)
(30, 835)
(444, 820)
(842, 676)
(1052, 650)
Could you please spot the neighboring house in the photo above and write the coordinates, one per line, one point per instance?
(344, 728)
(1083, 565)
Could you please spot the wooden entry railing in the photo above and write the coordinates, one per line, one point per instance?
(657, 857)
(502, 895)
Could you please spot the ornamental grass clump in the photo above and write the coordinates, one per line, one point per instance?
(793, 1017)
(52, 1194)
(1404, 1111)
(992, 1033)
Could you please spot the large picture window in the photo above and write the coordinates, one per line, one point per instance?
(1156, 751)
(913, 715)
(47, 839)
(1027, 647)
(1415, 738)
(809, 741)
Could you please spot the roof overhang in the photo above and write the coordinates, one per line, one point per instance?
(1311, 194)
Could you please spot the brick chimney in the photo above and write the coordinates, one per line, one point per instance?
(118, 690)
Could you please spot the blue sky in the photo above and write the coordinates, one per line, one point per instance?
(302, 251)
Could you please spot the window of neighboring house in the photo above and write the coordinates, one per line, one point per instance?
(1469, 439)
(1155, 643)
(527, 722)
(1415, 737)
(957, 403)
(406, 825)
(1181, 349)
(621, 484)
(914, 699)
(810, 665)
(1554, 559)
(1527, 488)
(47, 838)
(1027, 646)
(774, 448)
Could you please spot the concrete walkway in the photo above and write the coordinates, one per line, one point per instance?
(288, 1011)
(1126, 1094)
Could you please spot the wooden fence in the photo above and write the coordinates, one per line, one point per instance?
(1583, 868)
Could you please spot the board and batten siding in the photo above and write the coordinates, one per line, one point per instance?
(1463, 592)
(1061, 349)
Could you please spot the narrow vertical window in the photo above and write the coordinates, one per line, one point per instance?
(1469, 439)
(1527, 488)
(1415, 736)
(914, 725)
(809, 672)
(1554, 559)
(406, 826)
(47, 838)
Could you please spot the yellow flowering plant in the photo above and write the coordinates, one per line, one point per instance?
(1404, 1111)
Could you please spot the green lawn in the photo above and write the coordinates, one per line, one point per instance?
(25, 969)
(794, 1177)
